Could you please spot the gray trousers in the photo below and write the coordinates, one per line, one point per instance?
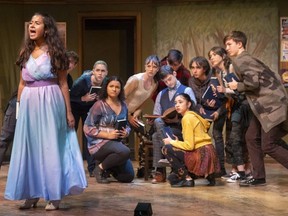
(158, 136)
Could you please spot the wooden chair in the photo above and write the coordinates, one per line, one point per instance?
(148, 157)
(145, 155)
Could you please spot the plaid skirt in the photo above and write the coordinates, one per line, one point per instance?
(202, 161)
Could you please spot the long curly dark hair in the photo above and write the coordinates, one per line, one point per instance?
(56, 49)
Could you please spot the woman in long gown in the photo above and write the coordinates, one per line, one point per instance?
(46, 161)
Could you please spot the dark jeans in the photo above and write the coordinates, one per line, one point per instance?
(176, 158)
(114, 157)
(237, 144)
(8, 128)
(82, 114)
(236, 127)
(218, 138)
(260, 143)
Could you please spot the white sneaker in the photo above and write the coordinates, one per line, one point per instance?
(233, 178)
(228, 176)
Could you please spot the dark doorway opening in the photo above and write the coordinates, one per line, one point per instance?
(111, 40)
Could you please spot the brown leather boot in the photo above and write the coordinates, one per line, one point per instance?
(159, 177)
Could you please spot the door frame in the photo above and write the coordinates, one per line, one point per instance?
(137, 48)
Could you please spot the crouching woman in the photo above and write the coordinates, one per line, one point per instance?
(105, 138)
(195, 156)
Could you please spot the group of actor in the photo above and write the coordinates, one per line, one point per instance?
(46, 162)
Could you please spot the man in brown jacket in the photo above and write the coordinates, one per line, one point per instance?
(268, 101)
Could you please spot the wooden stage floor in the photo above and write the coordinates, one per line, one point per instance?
(116, 199)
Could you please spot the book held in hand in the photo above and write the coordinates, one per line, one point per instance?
(167, 130)
(95, 89)
(141, 128)
(230, 76)
(214, 81)
(210, 94)
(120, 124)
(207, 115)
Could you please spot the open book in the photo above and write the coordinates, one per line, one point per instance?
(95, 89)
(170, 113)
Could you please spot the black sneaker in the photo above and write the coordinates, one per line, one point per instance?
(91, 174)
(247, 177)
(184, 183)
(253, 182)
(99, 175)
(211, 179)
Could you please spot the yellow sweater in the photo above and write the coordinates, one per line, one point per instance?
(195, 132)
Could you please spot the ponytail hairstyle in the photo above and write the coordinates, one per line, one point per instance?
(188, 99)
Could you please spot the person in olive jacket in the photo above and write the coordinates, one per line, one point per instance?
(268, 101)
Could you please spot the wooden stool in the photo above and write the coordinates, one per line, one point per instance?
(148, 157)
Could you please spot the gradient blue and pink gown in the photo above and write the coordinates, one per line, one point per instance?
(46, 161)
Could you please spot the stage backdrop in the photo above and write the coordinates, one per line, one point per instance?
(195, 28)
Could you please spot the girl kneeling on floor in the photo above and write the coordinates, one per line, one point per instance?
(195, 156)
